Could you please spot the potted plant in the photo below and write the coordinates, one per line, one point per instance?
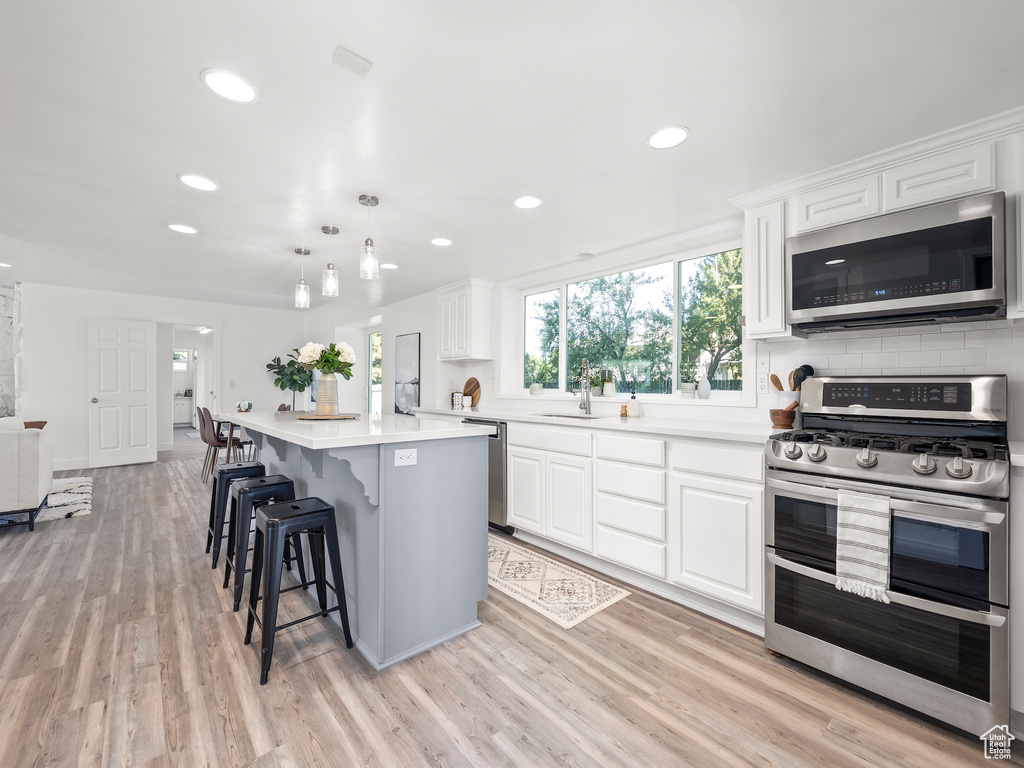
(330, 360)
(290, 376)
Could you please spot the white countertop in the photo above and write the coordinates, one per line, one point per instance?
(365, 430)
(1017, 453)
(742, 432)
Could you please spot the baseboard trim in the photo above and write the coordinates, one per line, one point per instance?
(62, 465)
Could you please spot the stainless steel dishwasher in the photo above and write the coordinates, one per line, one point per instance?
(497, 509)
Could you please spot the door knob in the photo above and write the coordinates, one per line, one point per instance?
(94, 400)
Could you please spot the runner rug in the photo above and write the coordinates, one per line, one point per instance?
(559, 592)
(69, 497)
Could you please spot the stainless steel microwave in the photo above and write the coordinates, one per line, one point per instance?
(937, 264)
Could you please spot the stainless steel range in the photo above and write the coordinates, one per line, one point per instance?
(936, 449)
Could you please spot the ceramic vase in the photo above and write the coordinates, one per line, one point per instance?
(327, 395)
(704, 388)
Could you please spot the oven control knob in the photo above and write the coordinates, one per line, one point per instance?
(793, 451)
(924, 464)
(866, 458)
(959, 468)
(816, 452)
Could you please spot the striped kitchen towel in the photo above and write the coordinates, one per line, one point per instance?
(862, 544)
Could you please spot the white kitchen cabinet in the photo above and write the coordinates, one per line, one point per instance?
(631, 533)
(1016, 599)
(716, 540)
(464, 320)
(569, 500)
(764, 241)
(962, 172)
(526, 488)
(182, 410)
(836, 204)
(1015, 250)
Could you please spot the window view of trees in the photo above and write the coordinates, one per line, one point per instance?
(540, 365)
(622, 324)
(710, 304)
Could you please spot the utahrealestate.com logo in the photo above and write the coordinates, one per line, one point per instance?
(997, 742)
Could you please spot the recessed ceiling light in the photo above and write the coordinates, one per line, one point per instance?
(204, 329)
(228, 85)
(583, 255)
(528, 201)
(184, 229)
(201, 183)
(442, 241)
(667, 138)
(833, 262)
(4, 265)
(389, 266)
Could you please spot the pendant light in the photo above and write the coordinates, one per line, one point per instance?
(369, 266)
(302, 288)
(330, 280)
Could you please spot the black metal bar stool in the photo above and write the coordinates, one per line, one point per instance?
(274, 522)
(220, 495)
(246, 496)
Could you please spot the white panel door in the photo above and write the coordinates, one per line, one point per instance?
(569, 497)
(122, 392)
(715, 541)
(526, 489)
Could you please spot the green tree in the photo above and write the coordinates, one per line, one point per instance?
(613, 322)
(543, 368)
(709, 317)
(376, 355)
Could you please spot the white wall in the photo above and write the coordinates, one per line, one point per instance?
(164, 386)
(55, 353)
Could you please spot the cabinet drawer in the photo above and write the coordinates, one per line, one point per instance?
(739, 462)
(631, 516)
(562, 440)
(627, 480)
(631, 551)
(636, 450)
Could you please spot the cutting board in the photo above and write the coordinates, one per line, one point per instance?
(320, 417)
(472, 390)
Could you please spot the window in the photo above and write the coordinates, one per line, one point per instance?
(540, 359)
(374, 395)
(622, 325)
(654, 330)
(710, 304)
(180, 360)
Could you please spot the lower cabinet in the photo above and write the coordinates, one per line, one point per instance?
(551, 494)
(716, 539)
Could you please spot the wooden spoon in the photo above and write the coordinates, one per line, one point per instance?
(776, 382)
(792, 384)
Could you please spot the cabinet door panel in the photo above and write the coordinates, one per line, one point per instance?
(569, 508)
(445, 331)
(944, 176)
(716, 544)
(526, 489)
(460, 324)
(636, 482)
(632, 551)
(837, 204)
(764, 300)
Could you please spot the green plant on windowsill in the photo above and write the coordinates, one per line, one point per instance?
(290, 376)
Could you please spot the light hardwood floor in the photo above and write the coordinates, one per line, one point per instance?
(118, 647)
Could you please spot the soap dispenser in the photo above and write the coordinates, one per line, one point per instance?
(633, 406)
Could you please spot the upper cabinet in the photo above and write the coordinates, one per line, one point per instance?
(906, 177)
(464, 320)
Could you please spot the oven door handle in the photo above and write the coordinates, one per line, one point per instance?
(950, 611)
(963, 517)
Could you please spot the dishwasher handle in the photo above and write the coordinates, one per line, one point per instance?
(500, 426)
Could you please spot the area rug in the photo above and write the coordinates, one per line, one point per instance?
(192, 434)
(69, 497)
(555, 590)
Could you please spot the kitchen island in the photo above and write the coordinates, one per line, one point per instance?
(410, 497)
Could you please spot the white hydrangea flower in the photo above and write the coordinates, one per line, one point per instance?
(310, 353)
(345, 352)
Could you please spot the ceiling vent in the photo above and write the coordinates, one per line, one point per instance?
(350, 60)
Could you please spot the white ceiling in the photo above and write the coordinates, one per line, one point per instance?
(468, 105)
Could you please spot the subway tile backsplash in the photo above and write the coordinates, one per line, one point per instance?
(995, 346)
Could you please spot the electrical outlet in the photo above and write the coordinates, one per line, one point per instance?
(405, 457)
(231, 384)
(762, 384)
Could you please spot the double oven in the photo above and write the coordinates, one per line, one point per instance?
(936, 449)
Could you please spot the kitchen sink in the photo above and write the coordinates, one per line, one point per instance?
(569, 415)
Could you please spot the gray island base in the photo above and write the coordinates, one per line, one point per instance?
(413, 538)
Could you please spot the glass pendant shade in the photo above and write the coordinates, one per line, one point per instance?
(330, 281)
(369, 266)
(302, 294)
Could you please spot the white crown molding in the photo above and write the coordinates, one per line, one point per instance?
(986, 129)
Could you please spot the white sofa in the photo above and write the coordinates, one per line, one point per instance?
(26, 469)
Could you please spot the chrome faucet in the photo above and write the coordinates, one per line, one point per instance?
(585, 386)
